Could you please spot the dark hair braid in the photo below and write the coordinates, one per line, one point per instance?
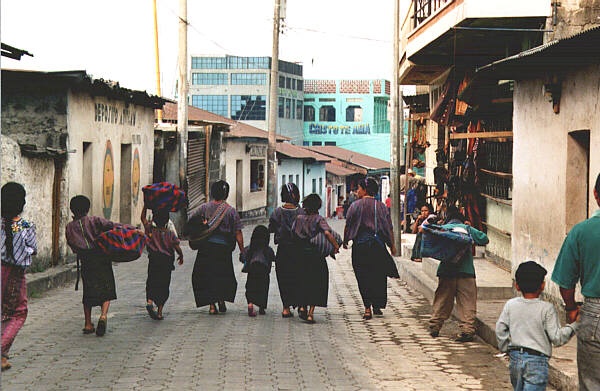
(13, 201)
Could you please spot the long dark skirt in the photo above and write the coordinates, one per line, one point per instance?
(160, 267)
(213, 278)
(286, 268)
(313, 278)
(370, 273)
(98, 280)
(257, 285)
(416, 251)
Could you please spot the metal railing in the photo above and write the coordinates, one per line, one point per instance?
(423, 9)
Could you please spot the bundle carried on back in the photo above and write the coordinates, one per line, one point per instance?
(164, 195)
(445, 245)
(323, 245)
(122, 243)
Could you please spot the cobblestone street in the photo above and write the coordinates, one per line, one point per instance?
(192, 350)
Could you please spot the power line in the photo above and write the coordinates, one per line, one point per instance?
(294, 28)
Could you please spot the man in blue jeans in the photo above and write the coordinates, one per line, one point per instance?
(579, 260)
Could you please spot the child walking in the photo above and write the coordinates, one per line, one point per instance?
(162, 245)
(527, 329)
(258, 259)
(18, 243)
(96, 270)
(313, 278)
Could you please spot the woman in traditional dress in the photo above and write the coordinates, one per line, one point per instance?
(369, 226)
(313, 276)
(213, 278)
(18, 243)
(286, 261)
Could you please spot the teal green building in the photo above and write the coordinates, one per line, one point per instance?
(351, 114)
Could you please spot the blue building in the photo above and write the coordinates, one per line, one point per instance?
(351, 114)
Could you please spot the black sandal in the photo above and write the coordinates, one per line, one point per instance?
(310, 319)
(222, 307)
(377, 311)
(151, 312)
(89, 331)
(101, 329)
(288, 315)
(368, 315)
(303, 314)
(213, 311)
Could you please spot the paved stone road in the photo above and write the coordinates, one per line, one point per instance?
(192, 350)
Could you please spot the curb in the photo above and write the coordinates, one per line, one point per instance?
(420, 281)
(38, 283)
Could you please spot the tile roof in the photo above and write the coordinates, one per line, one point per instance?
(358, 159)
(199, 116)
(294, 151)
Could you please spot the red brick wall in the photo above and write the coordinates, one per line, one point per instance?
(387, 87)
(319, 87)
(377, 86)
(354, 86)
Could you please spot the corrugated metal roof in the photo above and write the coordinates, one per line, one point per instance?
(339, 170)
(576, 50)
(358, 159)
(294, 151)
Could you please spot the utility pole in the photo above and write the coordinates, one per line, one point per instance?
(182, 106)
(396, 135)
(273, 113)
(157, 59)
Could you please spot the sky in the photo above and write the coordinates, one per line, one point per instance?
(114, 39)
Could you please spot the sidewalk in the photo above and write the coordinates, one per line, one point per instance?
(38, 283)
(494, 288)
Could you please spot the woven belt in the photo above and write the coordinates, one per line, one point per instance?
(527, 350)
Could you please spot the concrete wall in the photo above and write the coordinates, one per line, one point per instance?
(573, 17)
(235, 149)
(542, 176)
(106, 133)
(37, 176)
(499, 218)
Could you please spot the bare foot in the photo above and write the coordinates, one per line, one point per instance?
(5, 364)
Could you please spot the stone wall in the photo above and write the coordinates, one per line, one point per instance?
(573, 17)
(37, 175)
(543, 177)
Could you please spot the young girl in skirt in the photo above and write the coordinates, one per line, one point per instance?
(286, 261)
(162, 245)
(313, 276)
(258, 259)
(18, 244)
(96, 270)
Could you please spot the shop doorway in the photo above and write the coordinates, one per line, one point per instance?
(239, 182)
(577, 178)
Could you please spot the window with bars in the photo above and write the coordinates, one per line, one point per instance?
(248, 107)
(309, 113)
(209, 78)
(214, 103)
(327, 114)
(248, 78)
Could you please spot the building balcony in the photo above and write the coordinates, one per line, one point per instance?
(438, 34)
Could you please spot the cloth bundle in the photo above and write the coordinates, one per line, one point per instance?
(323, 245)
(443, 244)
(164, 195)
(122, 244)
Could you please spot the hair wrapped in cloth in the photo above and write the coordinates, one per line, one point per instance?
(323, 245)
(122, 244)
(443, 244)
(164, 195)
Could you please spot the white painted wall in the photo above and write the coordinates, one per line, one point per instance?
(235, 149)
(316, 171)
(83, 127)
(540, 176)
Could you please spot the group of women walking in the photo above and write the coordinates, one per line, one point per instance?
(300, 263)
(301, 269)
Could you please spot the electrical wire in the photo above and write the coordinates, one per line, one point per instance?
(295, 28)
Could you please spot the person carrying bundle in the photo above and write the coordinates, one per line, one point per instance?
(96, 270)
(162, 245)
